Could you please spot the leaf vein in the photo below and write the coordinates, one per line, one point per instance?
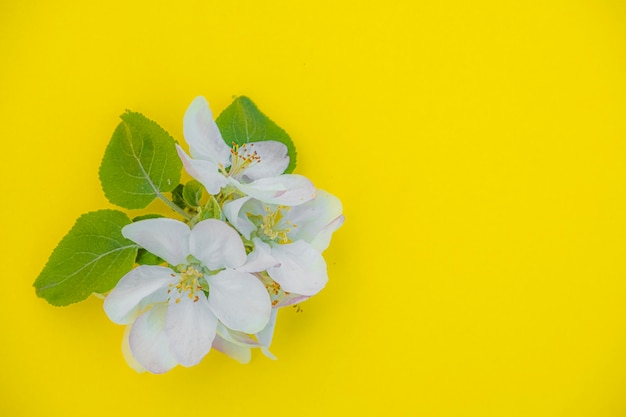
(54, 284)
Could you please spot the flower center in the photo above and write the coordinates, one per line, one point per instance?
(189, 282)
(274, 226)
(241, 158)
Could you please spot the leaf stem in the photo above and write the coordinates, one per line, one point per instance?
(174, 206)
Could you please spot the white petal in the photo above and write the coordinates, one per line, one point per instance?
(217, 245)
(137, 289)
(130, 359)
(190, 327)
(167, 238)
(202, 134)
(302, 269)
(239, 300)
(273, 161)
(315, 217)
(322, 240)
(233, 212)
(239, 353)
(148, 342)
(287, 190)
(206, 172)
(260, 258)
(238, 338)
(265, 336)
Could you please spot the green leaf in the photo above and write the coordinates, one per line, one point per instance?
(177, 196)
(211, 210)
(139, 163)
(147, 216)
(242, 122)
(146, 258)
(192, 193)
(92, 257)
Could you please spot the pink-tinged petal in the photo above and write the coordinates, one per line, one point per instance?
(167, 238)
(291, 299)
(265, 336)
(260, 258)
(315, 217)
(273, 160)
(128, 356)
(202, 134)
(239, 353)
(239, 300)
(206, 172)
(302, 269)
(136, 290)
(217, 245)
(233, 212)
(190, 328)
(286, 190)
(148, 342)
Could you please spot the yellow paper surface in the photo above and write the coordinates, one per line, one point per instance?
(479, 151)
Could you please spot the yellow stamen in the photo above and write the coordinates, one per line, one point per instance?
(273, 228)
(189, 282)
(241, 158)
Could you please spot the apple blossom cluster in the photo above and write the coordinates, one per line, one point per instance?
(222, 276)
(247, 237)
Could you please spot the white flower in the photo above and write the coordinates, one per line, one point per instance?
(180, 323)
(254, 169)
(294, 236)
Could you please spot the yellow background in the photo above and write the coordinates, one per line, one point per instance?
(479, 151)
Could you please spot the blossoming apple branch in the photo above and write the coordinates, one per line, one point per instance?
(250, 241)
